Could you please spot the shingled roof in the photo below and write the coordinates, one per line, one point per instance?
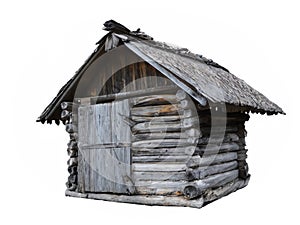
(210, 81)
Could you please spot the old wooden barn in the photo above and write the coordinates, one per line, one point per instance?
(155, 124)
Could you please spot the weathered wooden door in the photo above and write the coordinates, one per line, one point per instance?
(104, 146)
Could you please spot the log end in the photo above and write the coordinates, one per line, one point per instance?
(191, 192)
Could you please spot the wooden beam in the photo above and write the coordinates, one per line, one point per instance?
(167, 135)
(159, 176)
(159, 158)
(163, 143)
(214, 194)
(124, 95)
(197, 161)
(196, 188)
(202, 172)
(142, 199)
(158, 167)
(188, 150)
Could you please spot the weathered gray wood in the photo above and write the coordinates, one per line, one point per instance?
(120, 129)
(163, 126)
(217, 148)
(159, 158)
(105, 167)
(189, 150)
(229, 137)
(197, 161)
(162, 99)
(242, 155)
(158, 110)
(157, 118)
(107, 170)
(167, 135)
(105, 123)
(202, 172)
(68, 106)
(71, 128)
(158, 167)
(226, 119)
(142, 199)
(218, 130)
(180, 94)
(214, 194)
(134, 93)
(72, 152)
(159, 176)
(72, 161)
(160, 187)
(163, 143)
(65, 114)
(196, 188)
(198, 97)
(74, 136)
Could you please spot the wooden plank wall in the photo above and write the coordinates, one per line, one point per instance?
(104, 143)
(137, 76)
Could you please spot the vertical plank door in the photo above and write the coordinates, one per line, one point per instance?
(104, 147)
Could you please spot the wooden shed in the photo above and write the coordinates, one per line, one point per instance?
(155, 124)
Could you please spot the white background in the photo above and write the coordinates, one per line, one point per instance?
(43, 43)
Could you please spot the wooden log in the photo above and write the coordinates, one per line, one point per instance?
(72, 153)
(184, 104)
(170, 89)
(141, 199)
(74, 136)
(72, 178)
(188, 150)
(159, 176)
(72, 169)
(174, 109)
(160, 187)
(68, 106)
(217, 148)
(160, 158)
(180, 94)
(72, 161)
(214, 194)
(202, 172)
(71, 186)
(156, 127)
(162, 99)
(72, 144)
(243, 169)
(158, 167)
(163, 143)
(167, 135)
(71, 128)
(226, 119)
(196, 188)
(218, 130)
(242, 156)
(65, 114)
(157, 118)
(197, 161)
(229, 137)
(161, 126)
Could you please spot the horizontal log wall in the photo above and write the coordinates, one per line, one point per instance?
(218, 165)
(176, 149)
(164, 136)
